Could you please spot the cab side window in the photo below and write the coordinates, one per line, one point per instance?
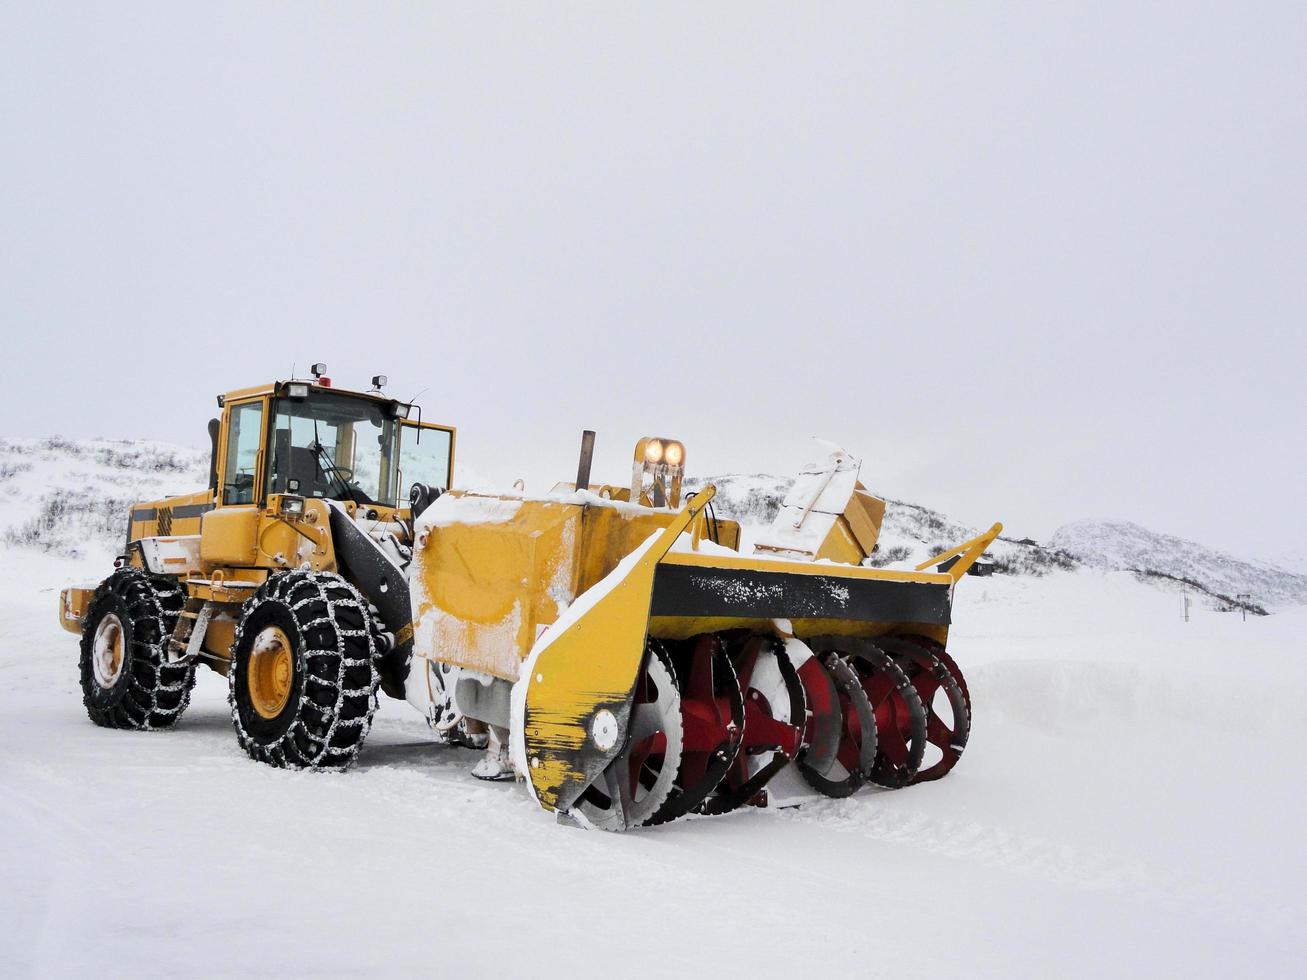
(424, 456)
(242, 453)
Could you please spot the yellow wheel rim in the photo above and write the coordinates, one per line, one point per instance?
(272, 672)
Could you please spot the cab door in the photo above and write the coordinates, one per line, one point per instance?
(426, 455)
(229, 532)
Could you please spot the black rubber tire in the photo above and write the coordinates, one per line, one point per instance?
(334, 672)
(149, 694)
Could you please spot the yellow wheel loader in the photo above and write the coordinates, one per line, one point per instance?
(609, 645)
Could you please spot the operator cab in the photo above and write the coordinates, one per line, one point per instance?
(310, 440)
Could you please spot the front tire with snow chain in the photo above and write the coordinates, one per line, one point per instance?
(127, 681)
(303, 685)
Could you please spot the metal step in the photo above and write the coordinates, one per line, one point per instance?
(188, 634)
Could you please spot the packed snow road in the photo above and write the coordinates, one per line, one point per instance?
(1129, 804)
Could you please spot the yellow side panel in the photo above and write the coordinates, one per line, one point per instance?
(482, 589)
(841, 545)
(229, 536)
(865, 512)
(171, 516)
(609, 534)
(728, 534)
(290, 543)
(493, 572)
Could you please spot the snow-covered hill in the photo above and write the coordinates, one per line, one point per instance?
(71, 497)
(1122, 545)
(1291, 560)
(913, 533)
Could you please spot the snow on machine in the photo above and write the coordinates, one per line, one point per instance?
(608, 645)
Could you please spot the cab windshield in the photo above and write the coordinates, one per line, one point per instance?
(334, 446)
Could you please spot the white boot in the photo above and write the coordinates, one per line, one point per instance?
(495, 764)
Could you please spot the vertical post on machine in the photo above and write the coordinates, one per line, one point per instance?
(587, 457)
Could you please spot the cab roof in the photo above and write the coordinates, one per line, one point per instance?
(279, 387)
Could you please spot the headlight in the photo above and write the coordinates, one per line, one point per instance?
(657, 471)
(291, 506)
(297, 391)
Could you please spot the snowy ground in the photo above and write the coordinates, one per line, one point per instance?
(1130, 803)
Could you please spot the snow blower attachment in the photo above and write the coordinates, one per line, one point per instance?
(609, 645)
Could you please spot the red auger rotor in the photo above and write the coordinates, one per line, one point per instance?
(714, 718)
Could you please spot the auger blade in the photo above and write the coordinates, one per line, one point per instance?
(856, 748)
(774, 717)
(947, 706)
(712, 707)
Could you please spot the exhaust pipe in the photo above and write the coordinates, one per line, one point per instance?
(587, 457)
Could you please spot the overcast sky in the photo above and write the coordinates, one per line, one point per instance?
(1037, 262)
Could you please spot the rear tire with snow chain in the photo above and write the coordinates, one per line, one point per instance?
(303, 685)
(126, 679)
